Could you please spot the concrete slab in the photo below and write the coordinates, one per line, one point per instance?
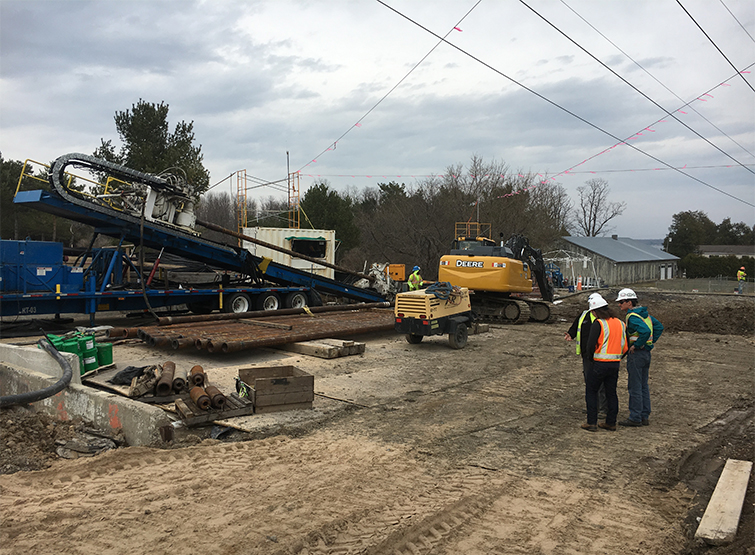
(140, 423)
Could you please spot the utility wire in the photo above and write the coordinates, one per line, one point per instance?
(552, 103)
(735, 19)
(635, 62)
(714, 44)
(583, 49)
(358, 122)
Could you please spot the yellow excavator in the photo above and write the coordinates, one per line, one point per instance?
(498, 275)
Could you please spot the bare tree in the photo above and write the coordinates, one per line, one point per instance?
(594, 210)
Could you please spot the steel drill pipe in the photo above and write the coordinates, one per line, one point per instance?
(182, 343)
(171, 320)
(165, 383)
(216, 397)
(197, 375)
(200, 398)
(179, 379)
(214, 227)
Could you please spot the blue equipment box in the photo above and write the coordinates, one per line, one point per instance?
(27, 266)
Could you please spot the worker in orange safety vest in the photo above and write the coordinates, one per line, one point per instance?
(606, 346)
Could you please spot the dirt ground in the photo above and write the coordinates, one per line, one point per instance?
(417, 449)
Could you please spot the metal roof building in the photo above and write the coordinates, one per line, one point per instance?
(616, 261)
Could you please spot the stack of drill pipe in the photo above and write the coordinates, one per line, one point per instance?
(165, 384)
(200, 397)
(170, 320)
(197, 376)
(179, 380)
(217, 398)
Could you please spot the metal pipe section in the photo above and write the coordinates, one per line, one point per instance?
(200, 398)
(179, 380)
(170, 320)
(165, 383)
(216, 397)
(197, 375)
(214, 227)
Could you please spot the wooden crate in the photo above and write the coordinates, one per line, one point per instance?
(278, 388)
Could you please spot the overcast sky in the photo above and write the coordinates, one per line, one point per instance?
(260, 78)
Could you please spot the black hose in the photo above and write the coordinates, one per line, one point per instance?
(33, 396)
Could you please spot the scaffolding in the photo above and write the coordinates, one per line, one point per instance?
(294, 209)
(241, 204)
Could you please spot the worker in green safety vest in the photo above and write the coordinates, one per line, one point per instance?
(415, 280)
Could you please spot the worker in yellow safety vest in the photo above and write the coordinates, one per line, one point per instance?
(579, 332)
(605, 347)
(741, 279)
(415, 280)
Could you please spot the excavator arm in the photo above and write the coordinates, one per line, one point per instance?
(522, 250)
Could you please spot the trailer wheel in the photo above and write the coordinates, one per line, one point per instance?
(268, 301)
(414, 338)
(237, 303)
(458, 338)
(296, 300)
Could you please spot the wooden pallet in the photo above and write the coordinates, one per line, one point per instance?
(325, 348)
(192, 415)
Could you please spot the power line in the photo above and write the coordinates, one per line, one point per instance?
(552, 103)
(575, 43)
(714, 44)
(735, 19)
(635, 62)
(332, 145)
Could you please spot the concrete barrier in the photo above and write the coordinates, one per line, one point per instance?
(29, 369)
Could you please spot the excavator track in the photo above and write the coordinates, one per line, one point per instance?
(498, 310)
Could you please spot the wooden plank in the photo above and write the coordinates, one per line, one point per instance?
(721, 519)
(286, 398)
(312, 348)
(279, 408)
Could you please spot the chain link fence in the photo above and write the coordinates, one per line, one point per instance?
(718, 284)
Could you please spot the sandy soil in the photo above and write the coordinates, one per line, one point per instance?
(417, 449)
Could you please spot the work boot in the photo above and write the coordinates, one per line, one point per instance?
(630, 423)
(607, 427)
(589, 427)
(645, 422)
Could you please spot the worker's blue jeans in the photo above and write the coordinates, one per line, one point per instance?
(741, 286)
(638, 369)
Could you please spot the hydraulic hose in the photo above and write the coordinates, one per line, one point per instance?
(33, 396)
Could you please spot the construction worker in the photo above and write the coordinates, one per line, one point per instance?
(643, 331)
(415, 280)
(741, 279)
(580, 331)
(606, 346)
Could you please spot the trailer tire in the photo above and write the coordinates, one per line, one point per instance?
(268, 301)
(296, 300)
(413, 338)
(237, 303)
(458, 338)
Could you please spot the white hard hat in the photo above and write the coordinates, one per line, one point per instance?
(626, 294)
(596, 300)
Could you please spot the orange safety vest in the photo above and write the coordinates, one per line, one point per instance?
(612, 342)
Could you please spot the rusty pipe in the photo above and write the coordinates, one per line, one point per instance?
(170, 320)
(197, 375)
(165, 383)
(200, 398)
(216, 397)
(182, 343)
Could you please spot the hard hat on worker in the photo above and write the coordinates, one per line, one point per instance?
(596, 300)
(416, 269)
(742, 268)
(626, 294)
